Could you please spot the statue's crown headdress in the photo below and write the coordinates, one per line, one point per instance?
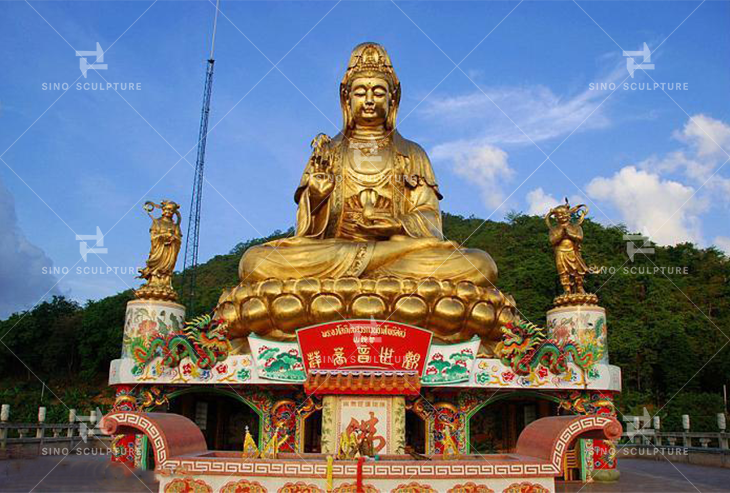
(170, 203)
(370, 59)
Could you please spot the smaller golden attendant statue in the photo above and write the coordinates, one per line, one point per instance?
(566, 237)
(165, 238)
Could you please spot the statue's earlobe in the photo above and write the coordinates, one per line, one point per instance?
(393, 110)
(348, 116)
(345, 103)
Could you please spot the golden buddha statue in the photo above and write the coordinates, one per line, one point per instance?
(368, 228)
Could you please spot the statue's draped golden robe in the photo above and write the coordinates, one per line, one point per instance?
(568, 259)
(166, 238)
(329, 244)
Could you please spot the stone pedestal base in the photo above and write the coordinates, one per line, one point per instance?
(584, 324)
(145, 319)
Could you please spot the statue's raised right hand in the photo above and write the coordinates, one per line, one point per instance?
(321, 184)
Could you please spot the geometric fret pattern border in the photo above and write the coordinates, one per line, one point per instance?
(405, 469)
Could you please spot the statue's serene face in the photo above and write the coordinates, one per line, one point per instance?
(369, 101)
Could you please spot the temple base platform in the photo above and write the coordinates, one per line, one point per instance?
(450, 405)
(184, 463)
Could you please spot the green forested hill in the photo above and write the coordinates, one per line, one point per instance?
(665, 331)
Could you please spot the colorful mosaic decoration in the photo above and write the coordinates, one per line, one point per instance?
(352, 488)
(277, 360)
(450, 363)
(145, 317)
(123, 446)
(242, 486)
(584, 325)
(470, 488)
(123, 449)
(284, 414)
(234, 369)
(526, 487)
(525, 345)
(494, 373)
(203, 340)
(604, 454)
(151, 398)
(587, 402)
(447, 416)
(188, 485)
(126, 399)
(413, 487)
(300, 487)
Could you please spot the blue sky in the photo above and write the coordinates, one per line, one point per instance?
(649, 159)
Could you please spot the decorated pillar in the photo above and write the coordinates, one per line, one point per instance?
(123, 446)
(584, 325)
(577, 321)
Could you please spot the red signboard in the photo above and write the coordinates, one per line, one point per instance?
(364, 345)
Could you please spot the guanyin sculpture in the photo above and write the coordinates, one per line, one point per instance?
(368, 239)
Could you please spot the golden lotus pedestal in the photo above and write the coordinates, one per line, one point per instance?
(453, 312)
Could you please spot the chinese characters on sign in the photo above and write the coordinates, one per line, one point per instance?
(364, 344)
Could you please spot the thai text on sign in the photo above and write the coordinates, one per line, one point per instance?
(364, 344)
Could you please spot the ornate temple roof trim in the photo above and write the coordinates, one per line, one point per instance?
(321, 382)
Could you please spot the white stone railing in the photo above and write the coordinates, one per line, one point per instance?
(78, 429)
(650, 434)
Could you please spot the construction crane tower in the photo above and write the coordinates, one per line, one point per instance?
(193, 236)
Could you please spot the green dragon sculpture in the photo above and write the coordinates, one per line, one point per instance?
(525, 345)
(204, 340)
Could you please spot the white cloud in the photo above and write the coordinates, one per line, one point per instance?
(664, 196)
(22, 278)
(651, 205)
(484, 165)
(723, 243)
(705, 142)
(706, 135)
(536, 110)
(539, 202)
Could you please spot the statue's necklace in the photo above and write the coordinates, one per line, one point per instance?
(369, 147)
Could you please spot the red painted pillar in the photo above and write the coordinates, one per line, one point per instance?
(123, 446)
